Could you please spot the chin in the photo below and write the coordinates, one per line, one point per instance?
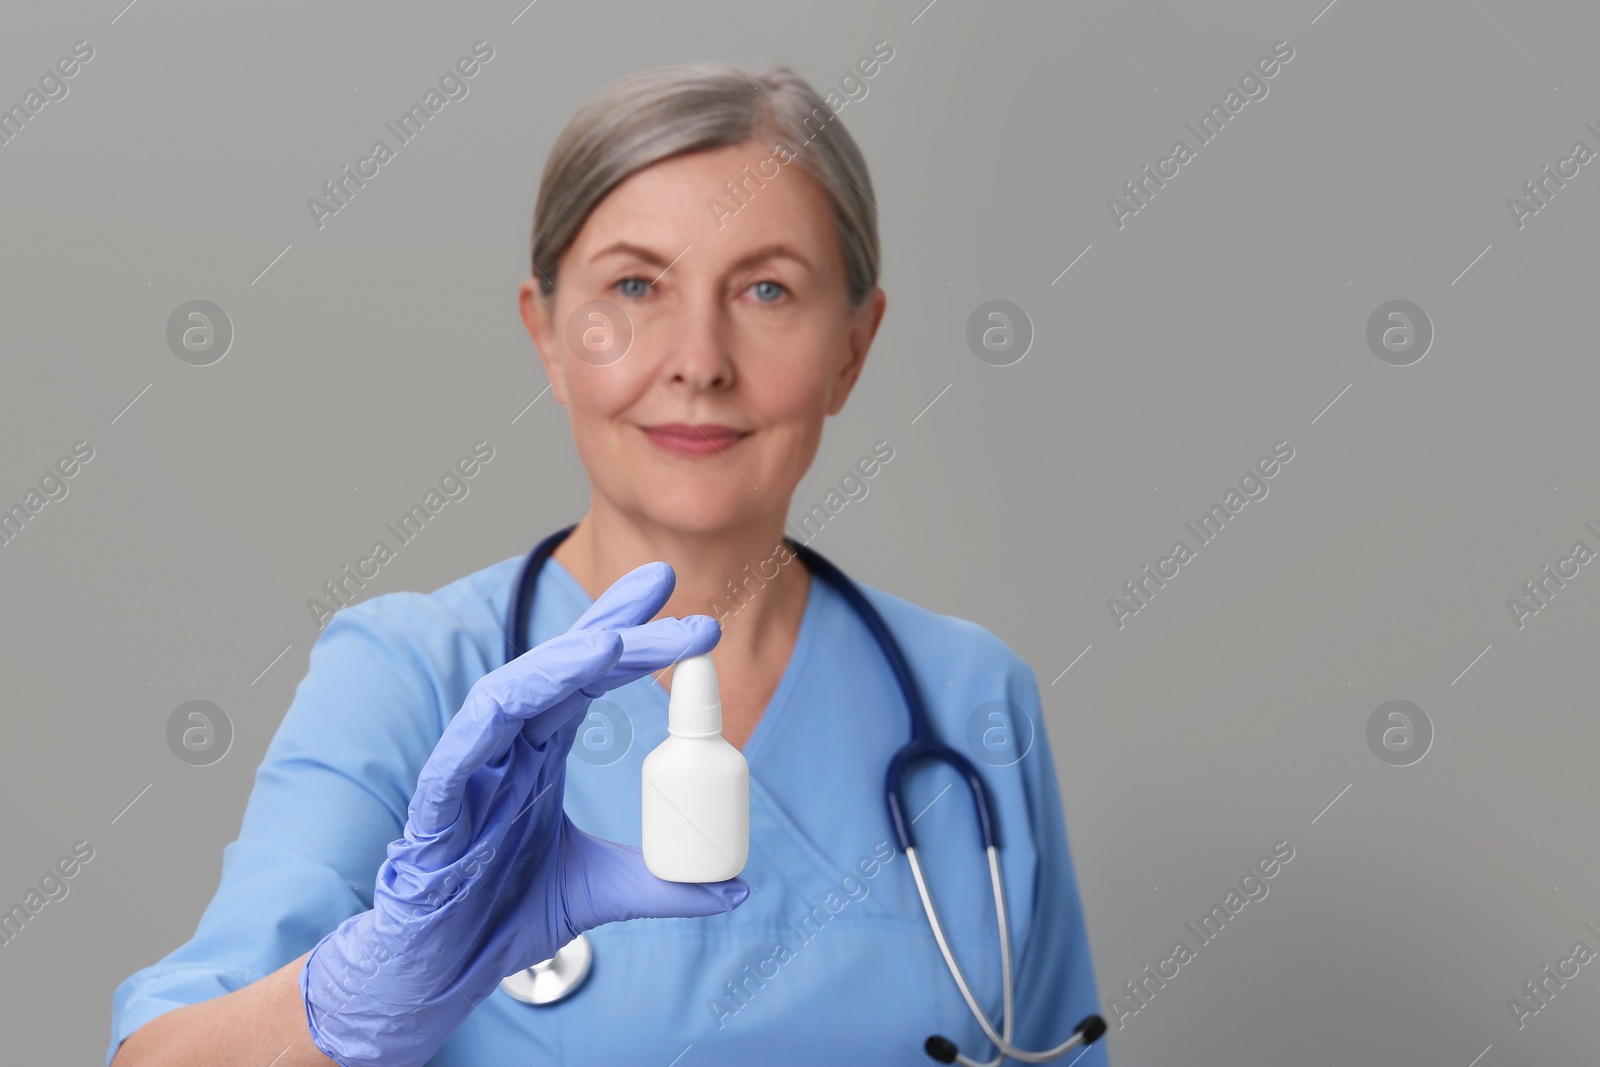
(695, 508)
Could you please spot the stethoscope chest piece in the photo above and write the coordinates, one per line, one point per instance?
(555, 978)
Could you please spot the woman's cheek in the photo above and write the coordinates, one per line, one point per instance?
(790, 380)
(602, 392)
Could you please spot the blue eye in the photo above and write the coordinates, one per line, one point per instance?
(628, 287)
(767, 292)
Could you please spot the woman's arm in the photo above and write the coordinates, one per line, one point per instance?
(263, 1023)
(1056, 985)
(482, 879)
(329, 796)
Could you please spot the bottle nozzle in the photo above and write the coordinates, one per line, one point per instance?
(695, 707)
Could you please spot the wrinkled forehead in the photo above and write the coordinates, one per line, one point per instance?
(715, 210)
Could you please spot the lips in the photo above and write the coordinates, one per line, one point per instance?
(682, 438)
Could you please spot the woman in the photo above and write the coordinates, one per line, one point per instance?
(418, 829)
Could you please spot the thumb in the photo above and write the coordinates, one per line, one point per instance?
(608, 882)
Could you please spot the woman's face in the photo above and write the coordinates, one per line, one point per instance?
(742, 338)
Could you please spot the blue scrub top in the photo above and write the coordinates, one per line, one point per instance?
(829, 960)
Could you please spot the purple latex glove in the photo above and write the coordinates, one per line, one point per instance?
(491, 876)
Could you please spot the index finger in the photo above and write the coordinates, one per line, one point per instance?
(634, 598)
(645, 649)
(656, 645)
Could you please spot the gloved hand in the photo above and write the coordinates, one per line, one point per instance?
(490, 875)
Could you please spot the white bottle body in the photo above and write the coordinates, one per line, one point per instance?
(695, 819)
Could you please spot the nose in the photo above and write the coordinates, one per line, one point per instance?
(699, 355)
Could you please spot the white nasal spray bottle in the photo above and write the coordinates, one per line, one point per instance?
(696, 816)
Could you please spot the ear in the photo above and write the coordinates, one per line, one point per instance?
(862, 330)
(536, 316)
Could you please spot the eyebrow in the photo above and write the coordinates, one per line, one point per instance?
(777, 250)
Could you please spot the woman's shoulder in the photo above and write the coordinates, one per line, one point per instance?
(450, 636)
(472, 602)
(945, 642)
(982, 697)
(458, 603)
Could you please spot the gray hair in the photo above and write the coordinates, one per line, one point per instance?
(656, 114)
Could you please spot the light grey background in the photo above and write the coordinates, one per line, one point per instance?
(1227, 315)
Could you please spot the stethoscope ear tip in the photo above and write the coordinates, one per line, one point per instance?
(1086, 1033)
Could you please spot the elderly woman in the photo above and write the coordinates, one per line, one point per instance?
(455, 792)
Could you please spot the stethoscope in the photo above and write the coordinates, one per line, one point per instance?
(556, 978)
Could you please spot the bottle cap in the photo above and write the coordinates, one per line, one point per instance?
(695, 706)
